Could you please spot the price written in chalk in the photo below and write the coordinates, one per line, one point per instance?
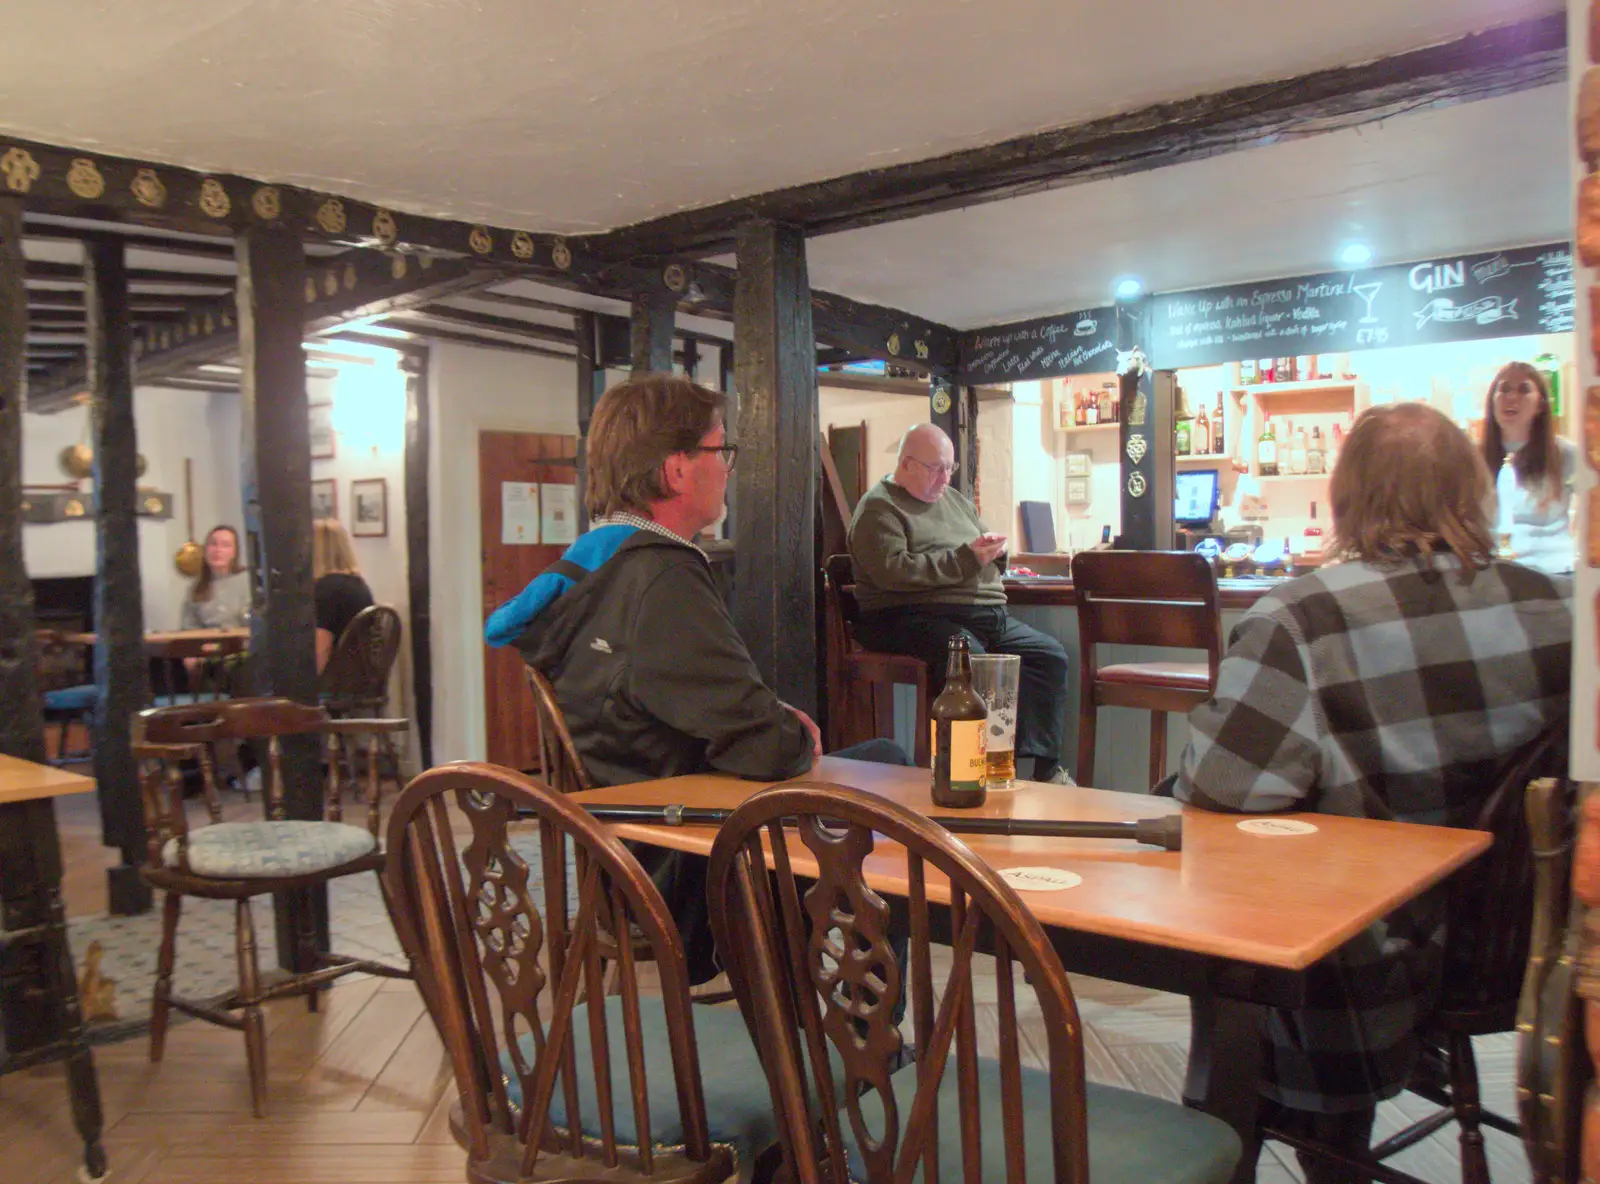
(1376, 336)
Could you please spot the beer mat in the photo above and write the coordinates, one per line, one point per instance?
(1277, 826)
(1039, 879)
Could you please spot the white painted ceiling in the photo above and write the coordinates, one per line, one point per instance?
(1474, 177)
(572, 115)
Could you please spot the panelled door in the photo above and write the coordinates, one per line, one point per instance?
(515, 471)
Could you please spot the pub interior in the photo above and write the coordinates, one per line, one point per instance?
(290, 408)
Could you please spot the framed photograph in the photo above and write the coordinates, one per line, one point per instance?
(1077, 491)
(325, 499)
(369, 514)
(1080, 464)
(320, 421)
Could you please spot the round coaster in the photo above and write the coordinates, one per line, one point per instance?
(1039, 879)
(1277, 826)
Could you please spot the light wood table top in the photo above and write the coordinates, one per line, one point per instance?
(24, 781)
(156, 643)
(1281, 901)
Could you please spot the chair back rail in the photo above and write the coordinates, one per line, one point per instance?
(558, 756)
(814, 971)
(1153, 598)
(502, 970)
(841, 574)
(357, 674)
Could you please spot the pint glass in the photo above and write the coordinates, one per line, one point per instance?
(995, 678)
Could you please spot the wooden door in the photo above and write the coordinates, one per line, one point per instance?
(524, 458)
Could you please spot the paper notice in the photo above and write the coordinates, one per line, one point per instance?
(560, 513)
(519, 513)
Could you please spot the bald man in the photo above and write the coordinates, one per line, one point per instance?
(926, 570)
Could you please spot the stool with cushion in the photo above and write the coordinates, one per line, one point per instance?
(239, 861)
(861, 682)
(815, 969)
(1145, 598)
(66, 698)
(557, 1080)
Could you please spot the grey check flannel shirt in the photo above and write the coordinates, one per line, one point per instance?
(1394, 693)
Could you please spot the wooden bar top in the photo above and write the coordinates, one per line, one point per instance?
(154, 643)
(1281, 901)
(24, 781)
(1057, 592)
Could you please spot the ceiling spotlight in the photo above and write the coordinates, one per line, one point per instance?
(1128, 289)
(1356, 255)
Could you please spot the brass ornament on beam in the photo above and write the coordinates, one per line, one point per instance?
(267, 202)
(397, 267)
(561, 255)
(893, 344)
(522, 245)
(20, 169)
(214, 199)
(425, 261)
(349, 277)
(921, 348)
(148, 190)
(480, 240)
(331, 217)
(84, 179)
(675, 277)
(1136, 485)
(311, 289)
(941, 401)
(1137, 447)
(384, 228)
(330, 283)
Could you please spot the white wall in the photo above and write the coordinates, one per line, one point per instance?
(887, 415)
(170, 425)
(475, 390)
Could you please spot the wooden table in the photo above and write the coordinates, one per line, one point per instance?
(40, 1019)
(168, 643)
(1233, 920)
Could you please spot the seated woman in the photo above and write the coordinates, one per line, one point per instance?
(340, 591)
(1536, 509)
(1392, 685)
(220, 598)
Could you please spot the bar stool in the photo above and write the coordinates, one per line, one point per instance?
(861, 682)
(1152, 598)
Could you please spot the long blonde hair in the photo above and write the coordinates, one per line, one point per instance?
(331, 552)
(1409, 482)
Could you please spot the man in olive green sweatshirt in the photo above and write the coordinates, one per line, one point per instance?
(925, 570)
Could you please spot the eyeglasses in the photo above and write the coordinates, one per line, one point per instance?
(948, 470)
(729, 452)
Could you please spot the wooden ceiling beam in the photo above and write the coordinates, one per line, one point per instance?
(480, 320)
(481, 340)
(1501, 61)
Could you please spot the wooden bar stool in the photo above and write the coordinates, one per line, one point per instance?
(1153, 598)
(861, 682)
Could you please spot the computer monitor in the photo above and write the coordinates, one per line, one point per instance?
(1196, 494)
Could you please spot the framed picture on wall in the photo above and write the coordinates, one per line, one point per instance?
(369, 514)
(319, 418)
(325, 499)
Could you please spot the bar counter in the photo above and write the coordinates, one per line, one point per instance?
(1233, 595)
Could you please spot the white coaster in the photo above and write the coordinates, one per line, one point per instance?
(1277, 826)
(1039, 879)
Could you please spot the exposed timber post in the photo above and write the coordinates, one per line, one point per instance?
(650, 329)
(591, 385)
(419, 569)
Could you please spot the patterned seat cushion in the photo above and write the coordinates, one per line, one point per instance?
(78, 698)
(248, 850)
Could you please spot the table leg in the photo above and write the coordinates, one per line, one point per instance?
(82, 1084)
(1225, 1065)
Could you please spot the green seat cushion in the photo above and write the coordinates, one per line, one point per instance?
(738, 1106)
(1133, 1138)
(250, 850)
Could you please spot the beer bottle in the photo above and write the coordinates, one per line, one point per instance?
(960, 723)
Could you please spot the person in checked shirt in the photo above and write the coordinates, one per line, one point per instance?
(1396, 684)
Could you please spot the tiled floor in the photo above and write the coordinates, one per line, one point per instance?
(359, 1091)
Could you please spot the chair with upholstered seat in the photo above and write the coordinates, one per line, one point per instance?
(814, 965)
(556, 1080)
(356, 679)
(68, 701)
(862, 681)
(1166, 599)
(241, 860)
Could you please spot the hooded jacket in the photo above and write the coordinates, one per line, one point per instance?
(647, 666)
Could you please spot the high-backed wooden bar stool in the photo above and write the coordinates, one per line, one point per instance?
(1153, 598)
(861, 682)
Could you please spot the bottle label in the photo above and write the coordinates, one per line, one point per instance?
(968, 751)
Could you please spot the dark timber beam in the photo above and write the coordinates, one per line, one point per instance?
(482, 320)
(650, 330)
(1501, 61)
(419, 572)
(276, 471)
(120, 671)
(776, 372)
(591, 385)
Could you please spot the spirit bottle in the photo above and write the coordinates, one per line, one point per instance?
(1267, 450)
(1202, 434)
(1316, 458)
(1219, 435)
(1077, 409)
(1313, 534)
(1297, 449)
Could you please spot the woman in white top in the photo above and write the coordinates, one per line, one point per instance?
(220, 598)
(1517, 424)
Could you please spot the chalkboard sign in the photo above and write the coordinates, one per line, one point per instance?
(1456, 298)
(1050, 347)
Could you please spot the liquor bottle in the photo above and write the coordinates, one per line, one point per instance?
(1201, 439)
(1264, 370)
(1316, 458)
(1313, 367)
(1247, 372)
(1297, 450)
(1107, 412)
(1219, 436)
(959, 720)
(1304, 368)
(1548, 365)
(1283, 370)
(1267, 450)
(1091, 410)
(1313, 533)
(1182, 432)
(1077, 409)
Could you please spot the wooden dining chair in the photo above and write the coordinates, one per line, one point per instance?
(239, 861)
(636, 1087)
(815, 970)
(68, 700)
(560, 765)
(356, 679)
(1505, 915)
(198, 669)
(862, 681)
(1148, 598)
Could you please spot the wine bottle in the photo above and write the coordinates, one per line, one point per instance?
(1313, 535)
(959, 720)
(1201, 437)
(1267, 450)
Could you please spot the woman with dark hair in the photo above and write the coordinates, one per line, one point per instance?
(1537, 499)
(220, 598)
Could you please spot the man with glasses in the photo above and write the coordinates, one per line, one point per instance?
(926, 570)
(628, 626)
